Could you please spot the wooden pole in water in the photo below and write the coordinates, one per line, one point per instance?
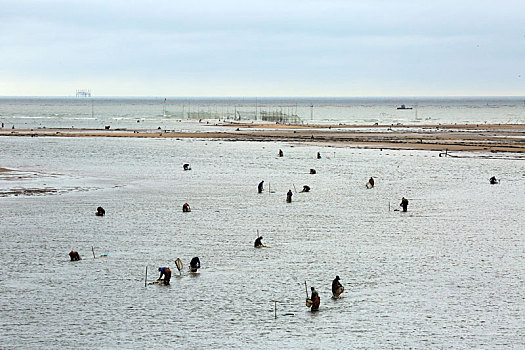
(275, 308)
(93, 250)
(294, 188)
(306, 289)
(146, 278)
(388, 205)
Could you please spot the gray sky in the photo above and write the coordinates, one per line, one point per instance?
(262, 48)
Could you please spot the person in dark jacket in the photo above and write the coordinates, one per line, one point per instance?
(195, 264)
(100, 212)
(289, 196)
(74, 256)
(404, 203)
(337, 287)
(260, 187)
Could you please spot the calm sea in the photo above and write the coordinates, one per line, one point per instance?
(182, 114)
(449, 273)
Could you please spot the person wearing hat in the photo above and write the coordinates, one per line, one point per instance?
(404, 203)
(337, 287)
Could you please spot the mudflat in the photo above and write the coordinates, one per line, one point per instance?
(452, 137)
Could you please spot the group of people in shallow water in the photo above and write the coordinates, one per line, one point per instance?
(314, 300)
(165, 272)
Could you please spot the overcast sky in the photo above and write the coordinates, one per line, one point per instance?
(262, 48)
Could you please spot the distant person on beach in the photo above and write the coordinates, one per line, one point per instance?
(100, 212)
(186, 208)
(289, 196)
(306, 188)
(258, 242)
(337, 287)
(74, 256)
(166, 272)
(316, 300)
(493, 180)
(195, 264)
(404, 203)
(260, 187)
(318, 155)
(370, 183)
(280, 153)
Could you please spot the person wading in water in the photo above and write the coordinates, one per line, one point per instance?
(404, 203)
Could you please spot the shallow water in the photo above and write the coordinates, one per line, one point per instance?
(447, 274)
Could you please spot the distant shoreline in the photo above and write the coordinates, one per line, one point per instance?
(451, 137)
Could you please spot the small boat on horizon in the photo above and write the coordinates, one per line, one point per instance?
(404, 107)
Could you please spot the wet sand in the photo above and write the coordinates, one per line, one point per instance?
(454, 137)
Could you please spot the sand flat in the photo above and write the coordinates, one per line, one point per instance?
(454, 137)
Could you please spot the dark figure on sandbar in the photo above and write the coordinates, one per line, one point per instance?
(493, 180)
(289, 196)
(260, 187)
(258, 242)
(312, 171)
(370, 183)
(167, 274)
(280, 153)
(74, 256)
(404, 203)
(186, 208)
(100, 212)
(195, 264)
(318, 155)
(316, 300)
(337, 287)
(186, 167)
(306, 188)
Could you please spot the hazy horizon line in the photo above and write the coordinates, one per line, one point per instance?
(264, 97)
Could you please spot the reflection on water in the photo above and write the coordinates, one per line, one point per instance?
(446, 274)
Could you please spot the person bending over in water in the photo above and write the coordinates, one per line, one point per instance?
(260, 187)
(370, 183)
(186, 167)
(186, 208)
(195, 264)
(306, 188)
(337, 287)
(404, 203)
(166, 272)
(74, 256)
(318, 155)
(493, 180)
(316, 300)
(258, 242)
(280, 153)
(100, 212)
